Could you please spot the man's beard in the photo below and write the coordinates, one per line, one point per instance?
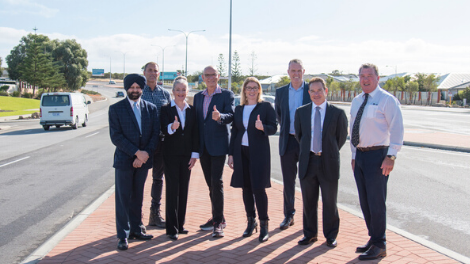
(134, 95)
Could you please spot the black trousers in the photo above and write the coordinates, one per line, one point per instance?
(289, 172)
(372, 189)
(250, 195)
(310, 185)
(213, 167)
(177, 177)
(157, 176)
(129, 193)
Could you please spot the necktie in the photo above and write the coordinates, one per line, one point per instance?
(316, 144)
(357, 122)
(137, 115)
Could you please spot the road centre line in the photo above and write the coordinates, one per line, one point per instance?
(3, 165)
(92, 134)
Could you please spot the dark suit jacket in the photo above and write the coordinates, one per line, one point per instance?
(335, 131)
(213, 135)
(182, 142)
(282, 113)
(126, 136)
(260, 153)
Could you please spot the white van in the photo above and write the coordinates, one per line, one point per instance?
(60, 109)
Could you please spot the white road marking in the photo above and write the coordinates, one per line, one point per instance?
(92, 134)
(3, 165)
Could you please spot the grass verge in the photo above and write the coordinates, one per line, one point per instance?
(12, 106)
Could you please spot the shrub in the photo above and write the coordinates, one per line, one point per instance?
(28, 95)
(90, 92)
(4, 93)
(4, 88)
(16, 94)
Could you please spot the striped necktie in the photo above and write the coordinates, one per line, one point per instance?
(357, 122)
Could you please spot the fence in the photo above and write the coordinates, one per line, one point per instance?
(416, 98)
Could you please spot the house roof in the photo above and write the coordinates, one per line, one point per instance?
(272, 79)
(402, 74)
(453, 80)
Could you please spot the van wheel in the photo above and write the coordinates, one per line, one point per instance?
(75, 126)
(84, 122)
(45, 127)
(57, 126)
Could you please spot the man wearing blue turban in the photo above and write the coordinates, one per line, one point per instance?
(134, 129)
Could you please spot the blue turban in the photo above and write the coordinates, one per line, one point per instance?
(134, 78)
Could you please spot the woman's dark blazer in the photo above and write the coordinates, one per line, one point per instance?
(182, 142)
(260, 153)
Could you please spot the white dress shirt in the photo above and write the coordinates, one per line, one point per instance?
(182, 116)
(322, 115)
(381, 122)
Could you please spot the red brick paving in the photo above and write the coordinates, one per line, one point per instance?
(94, 241)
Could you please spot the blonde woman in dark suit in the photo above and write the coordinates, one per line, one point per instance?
(178, 123)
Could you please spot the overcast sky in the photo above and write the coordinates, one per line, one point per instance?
(430, 36)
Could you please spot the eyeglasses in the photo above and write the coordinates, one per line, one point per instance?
(316, 92)
(251, 88)
(210, 75)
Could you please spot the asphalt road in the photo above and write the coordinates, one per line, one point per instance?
(427, 194)
(47, 177)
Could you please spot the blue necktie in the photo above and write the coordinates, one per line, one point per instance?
(137, 115)
(316, 144)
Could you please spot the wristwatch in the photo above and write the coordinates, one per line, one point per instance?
(392, 157)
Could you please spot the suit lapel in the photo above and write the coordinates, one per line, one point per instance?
(252, 118)
(145, 118)
(306, 96)
(308, 123)
(131, 113)
(211, 105)
(327, 120)
(285, 98)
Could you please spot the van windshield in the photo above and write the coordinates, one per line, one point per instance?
(55, 100)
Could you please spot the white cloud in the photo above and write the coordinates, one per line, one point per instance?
(413, 55)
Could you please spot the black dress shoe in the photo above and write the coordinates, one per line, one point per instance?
(307, 240)
(140, 236)
(122, 244)
(364, 248)
(173, 236)
(288, 221)
(183, 231)
(331, 243)
(374, 252)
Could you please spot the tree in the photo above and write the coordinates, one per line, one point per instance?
(1, 69)
(283, 81)
(426, 82)
(73, 62)
(336, 73)
(236, 68)
(221, 66)
(395, 84)
(38, 69)
(329, 80)
(253, 68)
(18, 53)
(33, 67)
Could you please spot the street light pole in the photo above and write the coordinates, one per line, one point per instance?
(229, 85)
(124, 69)
(109, 69)
(163, 61)
(186, 34)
